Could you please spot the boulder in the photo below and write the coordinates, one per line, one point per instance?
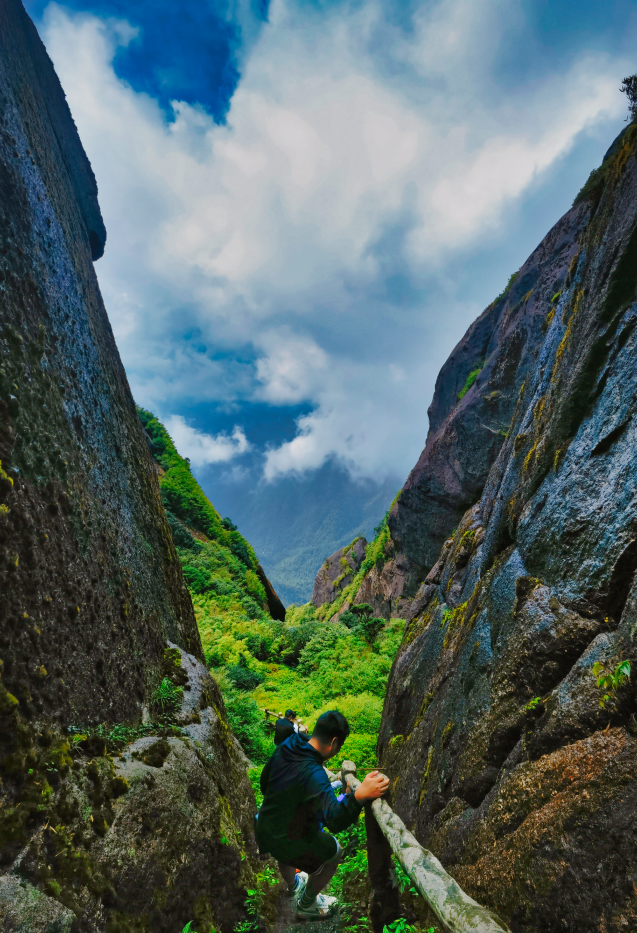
(337, 572)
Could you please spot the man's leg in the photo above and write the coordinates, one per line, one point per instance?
(289, 876)
(320, 879)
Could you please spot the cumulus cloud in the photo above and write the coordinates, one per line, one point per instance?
(301, 252)
(203, 449)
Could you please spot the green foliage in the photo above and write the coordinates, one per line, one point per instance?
(254, 900)
(402, 926)
(254, 774)
(353, 868)
(185, 501)
(167, 697)
(506, 288)
(471, 378)
(629, 88)
(375, 556)
(533, 705)
(611, 681)
(247, 722)
(118, 736)
(242, 677)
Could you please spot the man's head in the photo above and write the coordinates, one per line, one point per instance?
(290, 714)
(329, 734)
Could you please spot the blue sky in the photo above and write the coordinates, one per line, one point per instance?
(307, 203)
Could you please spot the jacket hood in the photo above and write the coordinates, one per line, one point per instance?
(295, 745)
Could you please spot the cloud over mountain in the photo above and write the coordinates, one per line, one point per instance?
(304, 252)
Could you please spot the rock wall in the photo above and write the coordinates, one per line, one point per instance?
(91, 586)
(337, 572)
(466, 433)
(513, 762)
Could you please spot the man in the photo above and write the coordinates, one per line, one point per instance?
(298, 798)
(284, 728)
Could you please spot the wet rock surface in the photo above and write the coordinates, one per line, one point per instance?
(504, 761)
(92, 593)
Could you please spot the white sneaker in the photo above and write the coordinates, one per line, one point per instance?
(323, 907)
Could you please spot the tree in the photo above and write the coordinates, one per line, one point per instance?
(629, 88)
(362, 610)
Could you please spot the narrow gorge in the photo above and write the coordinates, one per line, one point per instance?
(482, 645)
(509, 721)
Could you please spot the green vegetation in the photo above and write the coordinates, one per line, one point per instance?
(610, 681)
(506, 289)
(374, 557)
(629, 88)
(215, 557)
(305, 663)
(167, 696)
(471, 378)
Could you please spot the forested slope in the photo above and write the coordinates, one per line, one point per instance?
(296, 660)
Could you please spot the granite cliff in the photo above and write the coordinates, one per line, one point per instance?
(509, 722)
(124, 799)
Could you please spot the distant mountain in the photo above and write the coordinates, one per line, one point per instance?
(296, 522)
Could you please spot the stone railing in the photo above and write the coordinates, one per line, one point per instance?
(386, 833)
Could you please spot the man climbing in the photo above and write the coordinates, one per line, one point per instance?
(297, 799)
(285, 727)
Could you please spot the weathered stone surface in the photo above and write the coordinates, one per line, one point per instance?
(159, 833)
(465, 435)
(507, 766)
(275, 606)
(337, 572)
(91, 586)
(25, 909)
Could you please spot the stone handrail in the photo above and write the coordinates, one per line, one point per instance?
(458, 912)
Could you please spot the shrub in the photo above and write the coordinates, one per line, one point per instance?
(247, 723)
(362, 711)
(242, 677)
(609, 682)
(295, 638)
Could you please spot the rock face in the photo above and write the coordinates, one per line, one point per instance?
(91, 586)
(337, 572)
(511, 766)
(466, 434)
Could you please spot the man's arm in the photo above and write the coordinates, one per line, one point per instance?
(336, 816)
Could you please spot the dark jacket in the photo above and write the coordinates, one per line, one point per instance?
(283, 729)
(298, 798)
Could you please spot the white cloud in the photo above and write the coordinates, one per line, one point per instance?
(203, 449)
(293, 369)
(258, 260)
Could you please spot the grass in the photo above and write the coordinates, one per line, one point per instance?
(471, 378)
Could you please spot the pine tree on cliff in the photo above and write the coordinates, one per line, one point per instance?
(629, 88)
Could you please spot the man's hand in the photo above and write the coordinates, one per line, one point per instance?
(374, 785)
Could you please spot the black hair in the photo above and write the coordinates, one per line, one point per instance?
(290, 712)
(330, 725)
